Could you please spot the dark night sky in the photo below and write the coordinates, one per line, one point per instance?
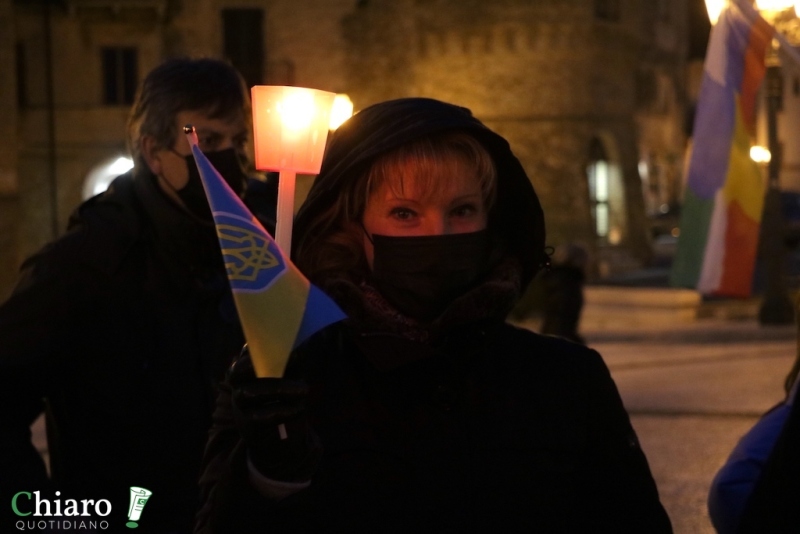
(699, 27)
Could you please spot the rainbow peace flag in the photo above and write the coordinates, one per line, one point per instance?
(724, 194)
(278, 307)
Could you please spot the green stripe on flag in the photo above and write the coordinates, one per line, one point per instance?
(695, 222)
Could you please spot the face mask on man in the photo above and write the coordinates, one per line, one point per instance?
(422, 275)
(228, 164)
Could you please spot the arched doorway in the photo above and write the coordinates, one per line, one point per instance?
(101, 175)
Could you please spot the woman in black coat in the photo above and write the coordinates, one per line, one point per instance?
(425, 411)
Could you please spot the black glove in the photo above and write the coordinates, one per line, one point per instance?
(260, 407)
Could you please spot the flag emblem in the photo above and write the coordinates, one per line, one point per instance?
(278, 307)
(250, 263)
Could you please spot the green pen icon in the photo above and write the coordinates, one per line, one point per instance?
(139, 498)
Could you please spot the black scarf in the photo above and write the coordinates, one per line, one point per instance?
(489, 302)
(185, 246)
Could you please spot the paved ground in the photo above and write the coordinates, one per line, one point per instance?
(692, 391)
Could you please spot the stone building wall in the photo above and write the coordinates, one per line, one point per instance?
(547, 75)
(9, 185)
(307, 35)
(85, 131)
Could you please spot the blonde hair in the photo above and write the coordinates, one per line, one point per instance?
(333, 245)
(435, 167)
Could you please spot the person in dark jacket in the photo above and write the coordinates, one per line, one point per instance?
(424, 411)
(121, 329)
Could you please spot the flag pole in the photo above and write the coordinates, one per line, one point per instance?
(283, 228)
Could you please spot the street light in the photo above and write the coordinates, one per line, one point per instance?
(341, 110)
(776, 306)
(760, 154)
(767, 8)
(714, 8)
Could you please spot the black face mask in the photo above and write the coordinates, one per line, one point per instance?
(229, 165)
(421, 275)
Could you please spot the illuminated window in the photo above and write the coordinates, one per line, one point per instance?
(598, 192)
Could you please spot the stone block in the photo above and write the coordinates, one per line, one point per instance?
(610, 307)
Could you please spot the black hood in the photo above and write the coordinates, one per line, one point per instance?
(375, 130)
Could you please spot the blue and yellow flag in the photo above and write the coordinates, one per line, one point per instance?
(278, 307)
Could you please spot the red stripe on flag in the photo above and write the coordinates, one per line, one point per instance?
(741, 244)
(753, 72)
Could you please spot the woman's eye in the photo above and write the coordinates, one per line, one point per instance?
(402, 214)
(467, 210)
(209, 143)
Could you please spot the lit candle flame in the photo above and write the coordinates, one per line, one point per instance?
(297, 110)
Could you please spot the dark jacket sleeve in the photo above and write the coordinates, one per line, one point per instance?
(625, 494)
(22, 468)
(30, 321)
(773, 505)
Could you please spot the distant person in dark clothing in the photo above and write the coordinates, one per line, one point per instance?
(562, 292)
(121, 328)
